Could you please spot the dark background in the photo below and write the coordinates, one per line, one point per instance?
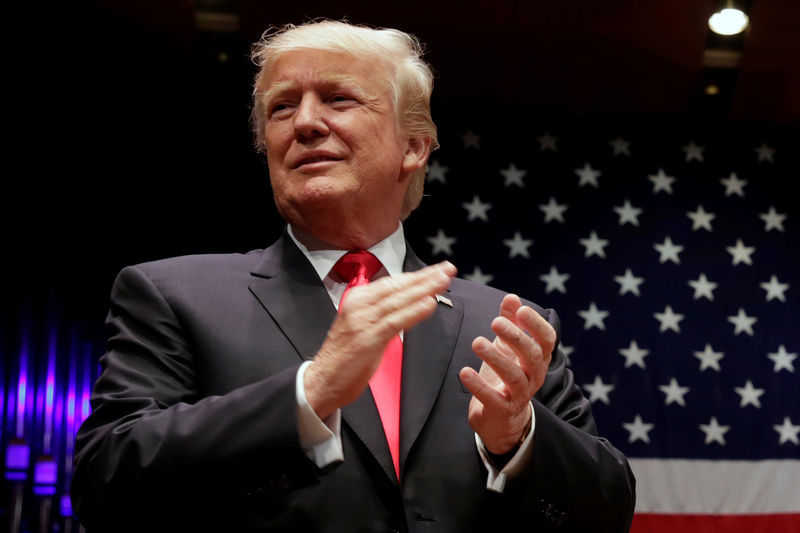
(126, 132)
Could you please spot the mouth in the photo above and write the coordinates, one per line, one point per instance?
(313, 159)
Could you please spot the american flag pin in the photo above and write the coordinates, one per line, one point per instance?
(442, 300)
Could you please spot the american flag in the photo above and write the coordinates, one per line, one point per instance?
(671, 251)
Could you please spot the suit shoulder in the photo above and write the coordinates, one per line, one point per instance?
(199, 262)
(484, 295)
(199, 269)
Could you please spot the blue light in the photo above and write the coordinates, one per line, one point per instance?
(22, 387)
(66, 505)
(18, 456)
(18, 459)
(44, 490)
(45, 471)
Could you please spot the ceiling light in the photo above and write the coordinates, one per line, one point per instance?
(728, 21)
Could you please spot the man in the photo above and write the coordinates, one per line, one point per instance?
(250, 393)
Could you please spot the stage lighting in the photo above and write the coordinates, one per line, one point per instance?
(728, 21)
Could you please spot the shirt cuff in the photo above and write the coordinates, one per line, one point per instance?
(321, 439)
(496, 480)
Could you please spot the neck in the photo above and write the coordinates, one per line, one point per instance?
(338, 239)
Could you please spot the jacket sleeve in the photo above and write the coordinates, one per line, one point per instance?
(577, 481)
(154, 442)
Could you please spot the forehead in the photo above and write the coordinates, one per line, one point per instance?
(322, 67)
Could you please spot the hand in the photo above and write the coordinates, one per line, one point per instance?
(513, 369)
(370, 316)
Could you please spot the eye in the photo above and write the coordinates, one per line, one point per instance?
(342, 100)
(279, 110)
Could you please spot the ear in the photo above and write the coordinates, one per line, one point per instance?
(417, 152)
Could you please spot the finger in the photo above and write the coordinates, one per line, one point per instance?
(404, 317)
(480, 389)
(509, 372)
(539, 328)
(509, 306)
(529, 353)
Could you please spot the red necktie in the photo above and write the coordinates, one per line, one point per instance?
(359, 267)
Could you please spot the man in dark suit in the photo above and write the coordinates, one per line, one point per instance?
(245, 393)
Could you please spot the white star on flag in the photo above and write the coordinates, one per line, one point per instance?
(750, 395)
(518, 246)
(553, 210)
(598, 390)
(674, 392)
(513, 176)
(775, 289)
(628, 283)
(668, 251)
(742, 322)
(661, 182)
(669, 320)
(703, 287)
(638, 429)
(441, 243)
(783, 360)
(593, 317)
(772, 220)
(714, 432)
(787, 432)
(620, 146)
(436, 172)
(701, 219)
(709, 358)
(554, 281)
(765, 153)
(693, 151)
(547, 142)
(634, 355)
(733, 185)
(588, 176)
(741, 253)
(479, 277)
(477, 209)
(594, 245)
(471, 140)
(628, 213)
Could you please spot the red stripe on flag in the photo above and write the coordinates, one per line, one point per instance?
(739, 523)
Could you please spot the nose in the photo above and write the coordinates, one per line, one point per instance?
(309, 119)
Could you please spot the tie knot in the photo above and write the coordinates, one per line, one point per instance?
(358, 267)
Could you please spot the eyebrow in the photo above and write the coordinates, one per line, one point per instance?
(279, 88)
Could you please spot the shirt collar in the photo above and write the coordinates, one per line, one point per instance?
(391, 252)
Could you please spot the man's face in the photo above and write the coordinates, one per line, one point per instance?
(337, 160)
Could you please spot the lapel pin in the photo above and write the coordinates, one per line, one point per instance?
(446, 301)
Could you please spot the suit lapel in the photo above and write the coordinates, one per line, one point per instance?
(289, 289)
(427, 351)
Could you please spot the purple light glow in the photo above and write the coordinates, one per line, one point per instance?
(2, 399)
(66, 505)
(16, 476)
(71, 386)
(18, 457)
(22, 387)
(44, 490)
(45, 471)
(50, 388)
(86, 385)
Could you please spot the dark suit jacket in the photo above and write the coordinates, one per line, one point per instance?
(194, 422)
